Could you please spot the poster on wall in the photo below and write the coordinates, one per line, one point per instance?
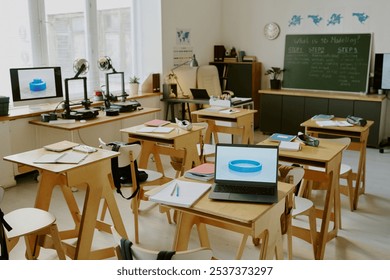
(183, 51)
(183, 36)
(181, 54)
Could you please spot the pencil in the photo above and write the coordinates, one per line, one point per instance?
(174, 189)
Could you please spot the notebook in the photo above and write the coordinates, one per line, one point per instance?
(246, 173)
(200, 93)
(180, 193)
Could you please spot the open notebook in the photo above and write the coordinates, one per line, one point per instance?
(180, 193)
(71, 157)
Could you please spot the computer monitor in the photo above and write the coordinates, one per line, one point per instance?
(382, 71)
(36, 85)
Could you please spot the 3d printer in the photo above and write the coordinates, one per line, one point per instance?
(104, 64)
(80, 66)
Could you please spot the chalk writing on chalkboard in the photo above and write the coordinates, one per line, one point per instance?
(329, 62)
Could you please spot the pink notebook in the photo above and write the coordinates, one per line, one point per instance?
(157, 122)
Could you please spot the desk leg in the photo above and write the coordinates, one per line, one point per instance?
(148, 148)
(360, 177)
(333, 170)
(185, 223)
(247, 123)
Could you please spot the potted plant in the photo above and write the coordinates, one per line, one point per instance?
(134, 85)
(275, 73)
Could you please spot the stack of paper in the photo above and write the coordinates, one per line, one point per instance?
(289, 146)
(333, 123)
(322, 117)
(203, 172)
(180, 193)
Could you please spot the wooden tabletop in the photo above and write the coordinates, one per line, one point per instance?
(355, 128)
(100, 119)
(28, 158)
(174, 134)
(238, 211)
(316, 156)
(238, 112)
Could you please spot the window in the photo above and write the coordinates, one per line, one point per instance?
(68, 32)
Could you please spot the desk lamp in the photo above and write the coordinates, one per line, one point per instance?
(192, 62)
(80, 67)
(105, 63)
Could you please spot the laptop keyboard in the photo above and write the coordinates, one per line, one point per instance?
(244, 189)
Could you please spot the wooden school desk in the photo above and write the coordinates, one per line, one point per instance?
(358, 133)
(242, 118)
(249, 219)
(92, 174)
(166, 144)
(328, 156)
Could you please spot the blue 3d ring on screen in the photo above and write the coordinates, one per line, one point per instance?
(245, 165)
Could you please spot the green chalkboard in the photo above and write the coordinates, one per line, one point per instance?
(329, 62)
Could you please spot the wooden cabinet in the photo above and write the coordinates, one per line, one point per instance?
(284, 110)
(243, 78)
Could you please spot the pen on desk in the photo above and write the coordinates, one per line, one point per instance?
(174, 189)
(177, 190)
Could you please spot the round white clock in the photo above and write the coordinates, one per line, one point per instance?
(271, 30)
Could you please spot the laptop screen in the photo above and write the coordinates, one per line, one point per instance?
(246, 164)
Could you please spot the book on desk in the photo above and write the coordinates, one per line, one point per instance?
(279, 137)
(203, 172)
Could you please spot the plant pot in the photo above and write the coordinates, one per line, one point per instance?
(276, 84)
(134, 89)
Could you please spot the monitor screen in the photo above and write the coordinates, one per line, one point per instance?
(382, 71)
(36, 85)
(249, 164)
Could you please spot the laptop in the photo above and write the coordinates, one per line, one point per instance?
(200, 93)
(247, 173)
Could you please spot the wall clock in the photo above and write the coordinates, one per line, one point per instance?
(271, 30)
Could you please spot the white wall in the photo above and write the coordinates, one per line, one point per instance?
(201, 17)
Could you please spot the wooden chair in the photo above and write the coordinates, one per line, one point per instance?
(205, 150)
(345, 173)
(140, 253)
(128, 154)
(30, 222)
(301, 206)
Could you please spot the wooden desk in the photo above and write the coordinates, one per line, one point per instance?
(249, 219)
(170, 104)
(328, 156)
(242, 118)
(166, 143)
(358, 133)
(92, 174)
(100, 119)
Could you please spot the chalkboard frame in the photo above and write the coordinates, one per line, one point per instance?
(305, 65)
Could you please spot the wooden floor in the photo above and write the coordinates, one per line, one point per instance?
(364, 236)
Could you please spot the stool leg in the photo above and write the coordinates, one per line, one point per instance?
(57, 241)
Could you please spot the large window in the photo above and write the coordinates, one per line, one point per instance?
(66, 31)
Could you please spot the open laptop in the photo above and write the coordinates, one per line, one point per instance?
(246, 173)
(200, 93)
